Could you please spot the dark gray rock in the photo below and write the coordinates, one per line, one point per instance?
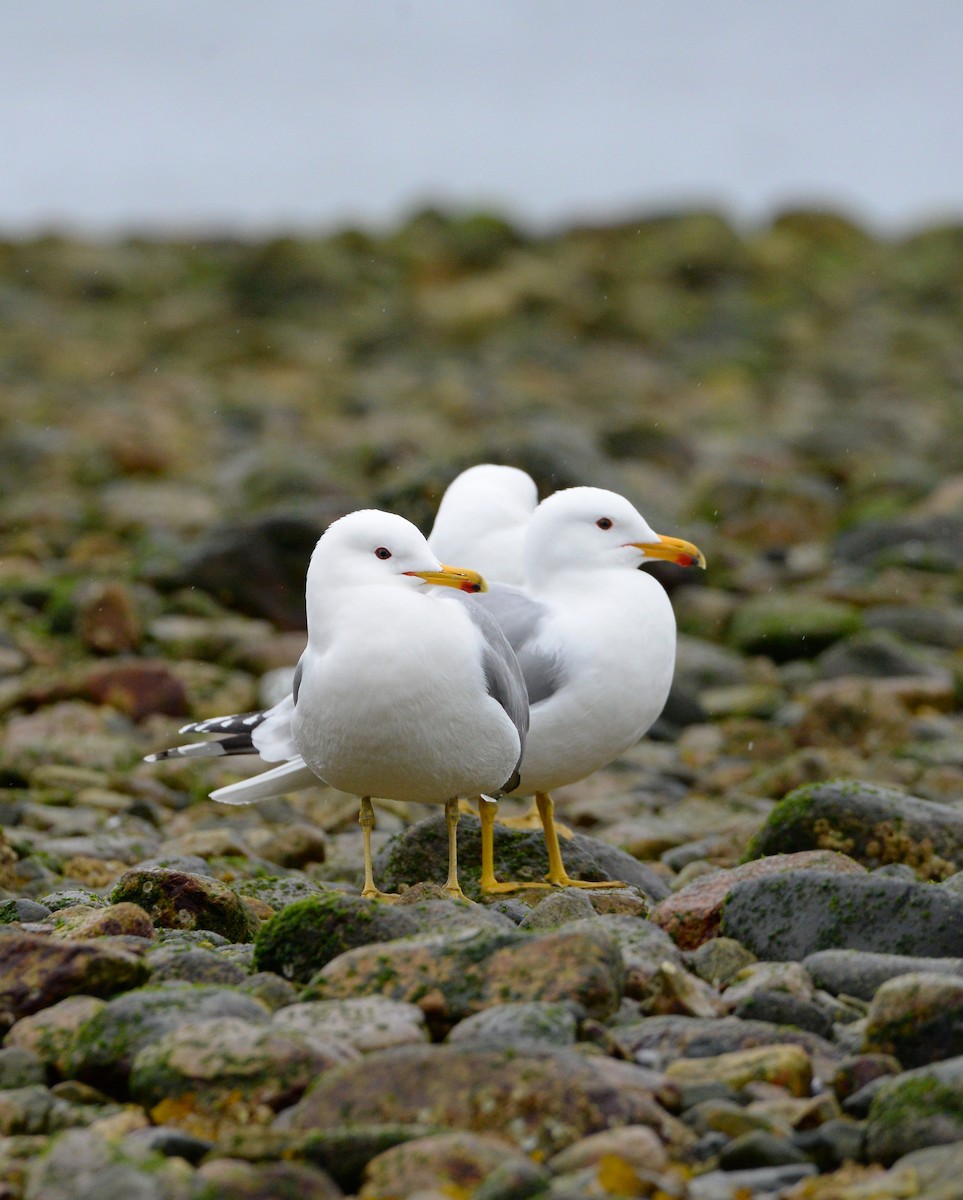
(934, 543)
(421, 853)
(757, 1148)
(790, 916)
(527, 1022)
(105, 1046)
(193, 966)
(918, 1018)
(929, 625)
(879, 655)
(19, 1068)
(918, 1108)
(22, 909)
(860, 972)
(781, 1008)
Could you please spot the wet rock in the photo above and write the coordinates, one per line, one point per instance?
(257, 566)
(49, 1034)
(790, 916)
(855, 1073)
(177, 900)
(20, 1068)
(918, 1018)
(366, 1023)
(644, 948)
(922, 624)
(203, 1072)
(193, 966)
(227, 1179)
(719, 959)
(102, 1050)
(69, 732)
(788, 1066)
(441, 1163)
(452, 977)
(757, 1149)
(693, 914)
(172, 1143)
(861, 972)
(80, 1164)
(557, 909)
(36, 971)
(872, 824)
(107, 618)
(309, 933)
(511, 1024)
(82, 922)
(934, 543)
(787, 626)
(421, 853)
(667, 1038)
(538, 1100)
(918, 1108)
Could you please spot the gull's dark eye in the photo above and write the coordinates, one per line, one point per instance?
(382, 552)
(604, 523)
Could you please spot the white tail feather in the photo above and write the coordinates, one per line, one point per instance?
(288, 777)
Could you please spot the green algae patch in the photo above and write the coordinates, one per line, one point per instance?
(305, 935)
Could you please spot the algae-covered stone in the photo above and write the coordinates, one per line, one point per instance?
(37, 971)
(421, 853)
(83, 922)
(793, 915)
(875, 825)
(511, 1024)
(540, 1100)
(178, 900)
(82, 1165)
(918, 1108)
(444, 1162)
(226, 1068)
(692, 915)
(104, 1048)
(452, 977)
(787, 625)
(50, 1033)
(918, 1018)
(229, 1179)
(309, 933)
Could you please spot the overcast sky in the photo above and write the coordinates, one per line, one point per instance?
(235, 115)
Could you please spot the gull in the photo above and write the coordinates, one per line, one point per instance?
(483, 515)
(595, 638)
(403, 692)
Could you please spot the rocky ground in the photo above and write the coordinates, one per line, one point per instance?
(196, 1003)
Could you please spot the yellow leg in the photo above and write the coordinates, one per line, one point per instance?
(452, 817)
(486, 812)
(366, 819)
(556, 868)
(533, 820)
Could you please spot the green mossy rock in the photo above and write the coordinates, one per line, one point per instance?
(787, 917)
(788, 625)
(309, 933)
(918, 1108)
(179, 900)
(874, 825)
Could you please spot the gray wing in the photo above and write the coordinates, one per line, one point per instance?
(520, 619)
(503, 676)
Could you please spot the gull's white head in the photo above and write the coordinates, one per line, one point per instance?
(375, 548)
(585, 528)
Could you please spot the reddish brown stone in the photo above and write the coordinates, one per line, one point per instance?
(691, 916)
(139, 688)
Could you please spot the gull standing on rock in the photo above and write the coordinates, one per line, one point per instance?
(403, 692)
(595, 638)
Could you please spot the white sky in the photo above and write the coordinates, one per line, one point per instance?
(245, 116)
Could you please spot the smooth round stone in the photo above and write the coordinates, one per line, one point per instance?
(367, 1022)
(512, 1024)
